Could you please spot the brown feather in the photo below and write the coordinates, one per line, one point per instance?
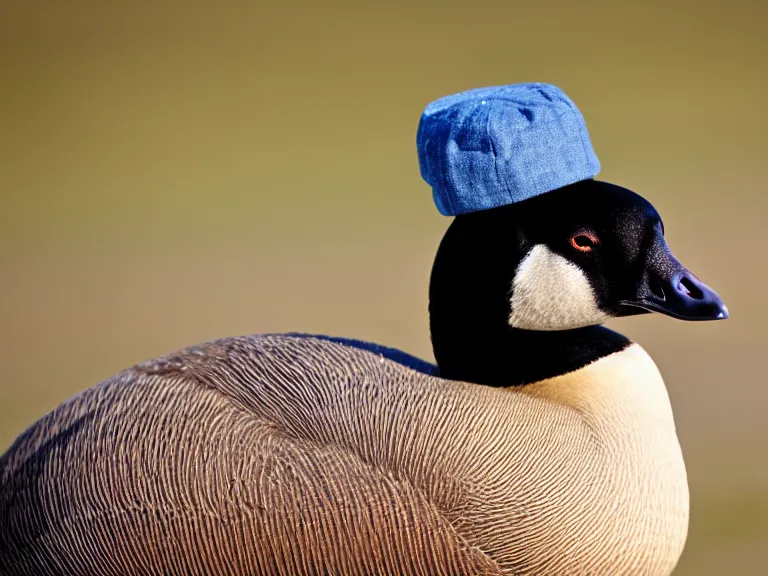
(285, 455)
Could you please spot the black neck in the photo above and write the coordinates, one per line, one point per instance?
(505, 356)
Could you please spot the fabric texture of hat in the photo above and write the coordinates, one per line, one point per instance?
(494, 146)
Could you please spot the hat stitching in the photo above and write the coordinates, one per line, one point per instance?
(499, 175)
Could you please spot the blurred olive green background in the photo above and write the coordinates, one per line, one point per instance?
(173, 172)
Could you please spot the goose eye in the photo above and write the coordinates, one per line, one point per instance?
(583, 241)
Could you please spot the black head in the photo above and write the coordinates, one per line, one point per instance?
(559, 262)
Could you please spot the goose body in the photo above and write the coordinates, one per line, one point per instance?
(301, 455)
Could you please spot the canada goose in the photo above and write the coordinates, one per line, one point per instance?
(294, 454)
(542, 443)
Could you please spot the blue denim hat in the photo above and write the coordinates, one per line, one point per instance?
(494, 146)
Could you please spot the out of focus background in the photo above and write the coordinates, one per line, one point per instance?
(174, 172)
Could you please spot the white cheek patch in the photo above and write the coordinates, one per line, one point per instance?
(551, 293)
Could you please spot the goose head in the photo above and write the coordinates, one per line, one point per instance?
(543, 273)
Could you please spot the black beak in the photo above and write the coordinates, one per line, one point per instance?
(670, 288)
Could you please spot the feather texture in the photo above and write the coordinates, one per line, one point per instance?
(287, 455)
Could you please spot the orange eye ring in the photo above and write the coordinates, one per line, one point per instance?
(584, 241)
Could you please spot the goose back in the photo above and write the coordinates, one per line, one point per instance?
(299, 455)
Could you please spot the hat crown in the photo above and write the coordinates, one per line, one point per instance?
(493, 146)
